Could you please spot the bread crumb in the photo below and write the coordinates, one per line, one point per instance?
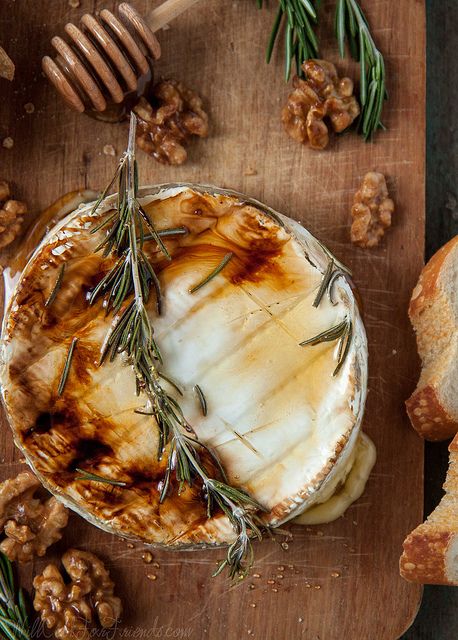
(250, 171)
(147, 557)
(74, 4)
(335, 574)
(109, 150)
(8, 142)
(29, 107)
(151, 576)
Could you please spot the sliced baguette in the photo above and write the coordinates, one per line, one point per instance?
(433, 311)
(431, 550)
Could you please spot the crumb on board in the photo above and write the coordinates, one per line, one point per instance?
(109, 150)
(8, 142)
(250, 171)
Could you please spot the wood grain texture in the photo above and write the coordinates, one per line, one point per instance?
(218, 49)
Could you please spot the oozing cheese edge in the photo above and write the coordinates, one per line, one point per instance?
(346, 489)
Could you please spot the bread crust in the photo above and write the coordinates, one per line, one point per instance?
(425, 409)
(428, 416)
(423, 559)
(426, 557)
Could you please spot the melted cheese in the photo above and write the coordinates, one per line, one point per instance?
(348, 488)
(282, 425)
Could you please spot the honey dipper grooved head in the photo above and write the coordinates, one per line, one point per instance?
(105, 64)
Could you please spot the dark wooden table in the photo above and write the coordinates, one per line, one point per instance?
(438, 615)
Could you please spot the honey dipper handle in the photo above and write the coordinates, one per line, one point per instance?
(166, 12)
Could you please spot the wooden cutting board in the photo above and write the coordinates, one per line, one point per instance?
(329, 582)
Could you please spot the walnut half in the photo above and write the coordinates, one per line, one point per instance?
(167, 122)
(11, 215)
(68, 609)
(371, 211)
(321, 97)
(31, 525)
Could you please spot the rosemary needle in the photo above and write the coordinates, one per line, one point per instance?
(326, 336)
(214, 273)
(87, 475)
(202, 399)
(165, 233)
(14, 621)
(56, 286)
(66, 369)
(342, 332)
(324, 283)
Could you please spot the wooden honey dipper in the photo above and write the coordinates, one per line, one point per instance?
(108, 62)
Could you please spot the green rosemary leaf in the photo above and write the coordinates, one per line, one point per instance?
(165, 233)
(56, 286)
(67, 365)
(343, 350)
(154, 233)
(288, 49)
(87, 475)
(103, 223)
(171, 382)
(329, 335)
(274, 32)
(214, 273)
(308, 7)
(202, 399)
(340, 26)
(324, 283)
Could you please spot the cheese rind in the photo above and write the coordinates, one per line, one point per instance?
(281, 424)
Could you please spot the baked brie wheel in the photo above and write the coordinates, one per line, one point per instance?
(283, 418)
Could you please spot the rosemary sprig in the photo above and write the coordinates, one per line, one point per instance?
(301, 43)
(351, 26)
(67, 365)
(126, 290)
(342, 332)
(14, 622)
(227, 258)
(87, 475)
(57, 285)
(202, 399)
(300, 18)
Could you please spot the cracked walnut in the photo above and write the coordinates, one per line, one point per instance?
(320, 98)
(31, 524)
(167, 122)
(68, 608)
(371, 211)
